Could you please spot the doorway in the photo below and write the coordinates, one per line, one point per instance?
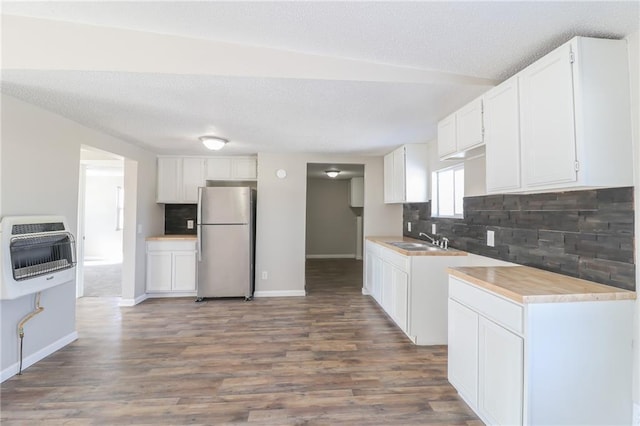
(101, 224)
(334, 218)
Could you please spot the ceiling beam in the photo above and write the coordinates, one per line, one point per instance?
(44, 44)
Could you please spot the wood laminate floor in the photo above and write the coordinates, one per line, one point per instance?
(330, 358)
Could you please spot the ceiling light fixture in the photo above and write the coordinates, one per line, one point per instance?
(213, 143)
(332, 173)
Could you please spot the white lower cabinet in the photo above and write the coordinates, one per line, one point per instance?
(412, 290)
(500, 368)
(543, 363)
(463, 351)
(171, 268)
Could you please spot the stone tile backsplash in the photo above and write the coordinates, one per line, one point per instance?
(176, 216)
(587, 234)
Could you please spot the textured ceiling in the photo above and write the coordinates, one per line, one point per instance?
(167, 111)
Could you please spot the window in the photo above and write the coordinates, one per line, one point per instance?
(447, 191)
(119, 208)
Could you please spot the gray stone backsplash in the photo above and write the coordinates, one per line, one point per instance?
(176, 216)
(587, 234)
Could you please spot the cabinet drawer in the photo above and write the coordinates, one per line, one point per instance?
(178, 245)
(396, 259)
(504, 312)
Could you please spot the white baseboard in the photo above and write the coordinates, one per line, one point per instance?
(28, 361)
(636, 415)
(331, 256)
(172, 294)
(133, 302)
(365, 291)
(280, 293)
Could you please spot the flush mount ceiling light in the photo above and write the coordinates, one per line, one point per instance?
(332, 173)
(213, 143)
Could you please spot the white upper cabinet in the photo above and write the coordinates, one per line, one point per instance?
(179, 177)
(356, 192)
(469, 126)
(548, 137)
(461, 131)
(169, 179)
(574, 126)
(502, 137)
(231, 168)
(406, 174)
(447, 136)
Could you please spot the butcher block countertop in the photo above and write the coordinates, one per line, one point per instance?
(384, 241)
(172, 237)
(524, 284)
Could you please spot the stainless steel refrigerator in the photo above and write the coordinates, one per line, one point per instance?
(226, 236)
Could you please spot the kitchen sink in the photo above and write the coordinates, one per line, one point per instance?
(415, 246)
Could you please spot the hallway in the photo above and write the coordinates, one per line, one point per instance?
(332, 357)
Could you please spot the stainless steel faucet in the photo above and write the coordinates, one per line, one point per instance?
(429, 237)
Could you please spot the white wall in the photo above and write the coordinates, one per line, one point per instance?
(40, 175)
(102, 238)
(280, 240)
(634, 65)
(331, 223)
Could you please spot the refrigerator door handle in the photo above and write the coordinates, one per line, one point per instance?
(199, 225)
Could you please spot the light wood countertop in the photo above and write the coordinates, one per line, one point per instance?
(172, 237)
(524, 284)
(384, 241)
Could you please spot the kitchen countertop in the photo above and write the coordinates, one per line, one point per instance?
(524, 284)
(172, 237)
(384, 241)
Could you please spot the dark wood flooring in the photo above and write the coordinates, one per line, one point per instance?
(330, 358)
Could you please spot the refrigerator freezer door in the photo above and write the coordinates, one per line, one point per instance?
(226, 267)
(221, 205)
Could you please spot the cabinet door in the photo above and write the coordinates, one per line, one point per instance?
(169, 180)
(192, 178)
(356, 192)
(243, 168)
(400, 306)
(388, 178)
(386, 287)
(500, 374)
(376, 279)
(369, 260)
(548, 131)
(469, 124)
(184, 271)
(399, 175)
(218, 169)
(502, 137)
(159, 271)
(447, 136)
(463, 351)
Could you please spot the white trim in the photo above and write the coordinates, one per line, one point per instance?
(365, 291)
(133, 302)
(28, 361)
(152, 295)
(280, 293)
(331, 256)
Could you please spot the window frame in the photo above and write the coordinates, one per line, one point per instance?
(435, 192)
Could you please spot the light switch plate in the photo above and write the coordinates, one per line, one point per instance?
(433, 228)
(491, 239)
(190, 224)
(408, 226)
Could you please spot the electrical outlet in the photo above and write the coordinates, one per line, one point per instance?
(408, 226)
(265, 275)
(139, 228)
(491, 239)
(190, 224)
(433, 228)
